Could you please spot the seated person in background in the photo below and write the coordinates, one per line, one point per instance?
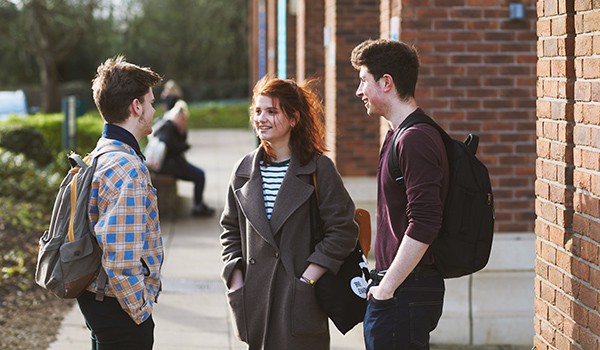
(171, 94)
(173, 132)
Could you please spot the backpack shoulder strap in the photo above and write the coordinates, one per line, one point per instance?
(393, 165)
(76, 161)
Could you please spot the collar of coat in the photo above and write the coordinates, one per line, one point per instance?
(295, 190)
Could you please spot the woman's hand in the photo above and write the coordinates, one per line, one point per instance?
(312, 273)
(236, 281)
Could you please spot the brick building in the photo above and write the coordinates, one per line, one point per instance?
(478, 75)
(567, 283)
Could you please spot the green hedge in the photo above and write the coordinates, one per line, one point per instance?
(27, 193)
(23, 179)
(89, 129)
(219, 115)
(28, 141)
(20, 133)
(33, 162)
(226, 114)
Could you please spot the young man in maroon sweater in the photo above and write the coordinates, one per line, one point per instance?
(405, 301)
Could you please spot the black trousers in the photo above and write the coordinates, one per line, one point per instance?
(111, 327)
(185, 170)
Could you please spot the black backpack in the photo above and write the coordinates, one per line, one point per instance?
(465, 240)
(69, 257)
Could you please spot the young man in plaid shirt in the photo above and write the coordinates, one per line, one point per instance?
(123, 212)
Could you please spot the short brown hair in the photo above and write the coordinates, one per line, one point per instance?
(119, 82)
(307, 138)
(383, 56)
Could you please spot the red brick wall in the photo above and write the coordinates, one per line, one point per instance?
(478, 75)
(353, 139)
(567, 285)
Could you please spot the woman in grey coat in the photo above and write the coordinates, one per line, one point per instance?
(270, 264)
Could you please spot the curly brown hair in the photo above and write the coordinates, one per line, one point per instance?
(119, 82)
(307, 138)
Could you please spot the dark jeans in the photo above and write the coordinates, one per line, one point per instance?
(405, 321)
(192, 173)
(111, 328)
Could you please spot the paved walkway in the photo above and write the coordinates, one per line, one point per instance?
(192, 310)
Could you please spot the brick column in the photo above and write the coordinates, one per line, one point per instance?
(567, 284)
(352, 139)
(310, 54)
(253, 42)
(388, 9)
(271, 36)
(292, 10)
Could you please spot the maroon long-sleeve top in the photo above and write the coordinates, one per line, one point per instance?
(416, 212)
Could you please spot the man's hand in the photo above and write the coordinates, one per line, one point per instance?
(409, 254)
(379, 294)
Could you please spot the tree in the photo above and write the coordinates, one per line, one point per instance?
(200, 43)
(53, 28)
(17, 65)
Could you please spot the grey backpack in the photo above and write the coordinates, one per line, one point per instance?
(69, 257)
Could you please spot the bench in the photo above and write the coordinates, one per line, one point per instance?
(166, 191)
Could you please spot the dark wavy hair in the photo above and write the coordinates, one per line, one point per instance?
(383, 56)
(307, 137)
(119, 82)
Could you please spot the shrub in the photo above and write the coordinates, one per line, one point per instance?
(61, 164)
(89, 129)
(28, 141)
(27, 193)
(49, 125)
(22, 179)
(23, 216)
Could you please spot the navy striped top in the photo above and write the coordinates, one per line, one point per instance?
(272, 177)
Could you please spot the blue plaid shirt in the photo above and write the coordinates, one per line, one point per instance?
(123, 212)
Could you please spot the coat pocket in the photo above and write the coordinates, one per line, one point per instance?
(236, 304)
(307, 316)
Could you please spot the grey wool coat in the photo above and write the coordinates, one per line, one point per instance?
(274, 310)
